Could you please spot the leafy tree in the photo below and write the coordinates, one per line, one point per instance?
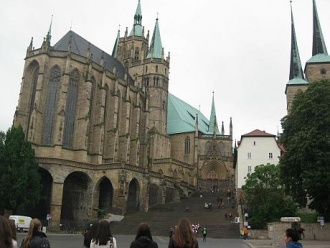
(265, 197)
(305, 166)
(19, 178)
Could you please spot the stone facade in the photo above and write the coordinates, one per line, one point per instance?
(98, 125)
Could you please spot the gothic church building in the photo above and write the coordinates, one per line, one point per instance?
(108, 135)
(316, 68)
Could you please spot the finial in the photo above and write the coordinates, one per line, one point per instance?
(71, 25)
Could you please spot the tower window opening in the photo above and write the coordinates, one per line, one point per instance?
(323, 71)
(156, 68)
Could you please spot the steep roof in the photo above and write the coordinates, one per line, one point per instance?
(320, 53)
(213, 127)
(181, 117)
(258, 133)
(156, 48)
(295, 62)
(137, 29)
(80, 46)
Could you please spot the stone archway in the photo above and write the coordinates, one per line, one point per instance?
(105, 192)
(41, 210)
(133, 200)
(154, 195)
(75, 198)
(215, 175)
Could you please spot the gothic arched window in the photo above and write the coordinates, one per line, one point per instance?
(70, 110)
(53, 96)
(187, 146)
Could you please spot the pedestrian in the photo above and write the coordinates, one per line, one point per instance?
(103, 237)
(35, 238)
(6, 240)
(143, 238)
(171, 232)
(184, 236)
(204, 233)
(245, 232)
(291, 238)
(90, 234)
(13, 232)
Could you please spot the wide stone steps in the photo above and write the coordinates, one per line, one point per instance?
(162, 217)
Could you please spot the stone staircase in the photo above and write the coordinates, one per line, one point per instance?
(162, 217)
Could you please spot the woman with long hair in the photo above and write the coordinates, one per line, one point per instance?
(35, 238)
(103, 237)
(90, 234)
(13, 232)
(143, 238)
(5, 234)
(183, 236)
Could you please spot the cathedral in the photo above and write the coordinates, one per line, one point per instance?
(316, 68)
(108, 135)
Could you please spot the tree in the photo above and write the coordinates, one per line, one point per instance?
(305, 166)
(265, 197)
(19, 177)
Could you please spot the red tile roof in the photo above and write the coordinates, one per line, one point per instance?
(258, 133)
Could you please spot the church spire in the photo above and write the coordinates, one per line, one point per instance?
(213, 125)
(295, 63)
(49, 34)
(319, 46)
(156, 48)
(137, 26)
(115, 47)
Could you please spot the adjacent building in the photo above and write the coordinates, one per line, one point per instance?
(255, 148)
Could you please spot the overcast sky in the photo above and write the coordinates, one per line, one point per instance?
(239, 49)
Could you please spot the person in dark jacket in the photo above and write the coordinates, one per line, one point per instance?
(35, 238)
(291, 238)
(143, 238)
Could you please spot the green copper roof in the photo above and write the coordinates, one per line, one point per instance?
(319, 58)
(319, 46)
(181, 117)
(115, 47)
(213, 119)
(297, 81)
(156, 48)
(137, 27)
(295, 62)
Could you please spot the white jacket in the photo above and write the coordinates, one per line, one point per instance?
(108, 245)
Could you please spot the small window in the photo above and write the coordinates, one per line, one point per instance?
(146, 68)
(249, 155)
(270, 155)
(187, 146)
(156, 68)
(254, 143)
(323, 71)
(249, 169)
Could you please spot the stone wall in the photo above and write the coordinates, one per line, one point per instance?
(275, 231)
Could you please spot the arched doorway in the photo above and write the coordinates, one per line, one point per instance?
(105, 190)
(75, 198)
(41, 210)
(153, 195)
(133, 201)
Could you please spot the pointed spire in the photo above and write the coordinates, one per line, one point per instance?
(222, 129)
(115, 47)
(319, 46)
(295, 62)
(231, 127)
(156, 48)
(137, 26)
(213, 126)
(49, 34)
